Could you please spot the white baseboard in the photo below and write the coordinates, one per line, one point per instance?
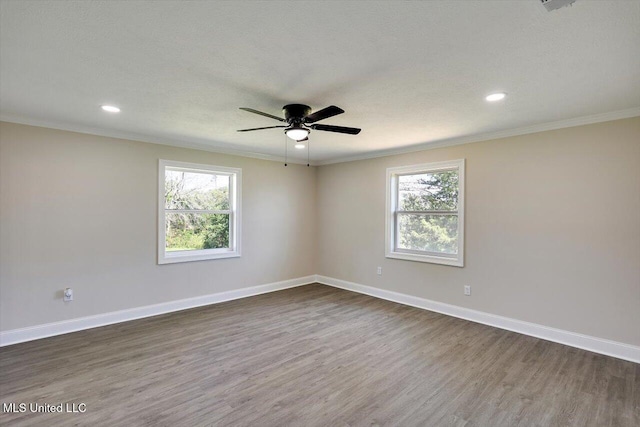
(16, 336)
(585, 342)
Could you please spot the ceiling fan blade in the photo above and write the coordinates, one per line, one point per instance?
(339, 129)
(325, 113)
(268, 127)
(251, 110)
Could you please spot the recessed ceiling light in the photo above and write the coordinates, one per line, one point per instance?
(496, 96)
(300, 146)
(110, 108)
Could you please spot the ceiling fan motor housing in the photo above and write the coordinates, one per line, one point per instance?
(300, 120)
(295, 113)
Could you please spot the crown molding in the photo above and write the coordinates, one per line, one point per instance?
(132, 136)
(212, 147)
(560, 124)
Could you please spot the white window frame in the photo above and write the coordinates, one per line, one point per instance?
(235, 187)
(391, 250)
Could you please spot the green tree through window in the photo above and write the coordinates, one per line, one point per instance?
(186, 191)
(199, 212)
(425, 213)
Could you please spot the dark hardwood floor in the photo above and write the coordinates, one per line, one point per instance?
(315, 356)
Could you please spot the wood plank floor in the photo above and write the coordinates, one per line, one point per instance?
(315, 356)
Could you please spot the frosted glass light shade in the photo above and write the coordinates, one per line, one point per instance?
(297, 133)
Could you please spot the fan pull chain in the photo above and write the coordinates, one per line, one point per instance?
(285, 149)
(308, 148)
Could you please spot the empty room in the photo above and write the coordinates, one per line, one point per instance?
(320, 213)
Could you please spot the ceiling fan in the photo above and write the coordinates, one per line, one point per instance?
(300, 121)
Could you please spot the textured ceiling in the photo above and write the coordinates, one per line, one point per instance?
(405, 72)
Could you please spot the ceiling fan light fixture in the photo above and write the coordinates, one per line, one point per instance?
(297, 133)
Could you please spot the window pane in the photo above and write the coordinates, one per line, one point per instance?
(192, 190)
(191, 231)
(431, 233)
(428, 191)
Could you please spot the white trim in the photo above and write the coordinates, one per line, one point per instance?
(16, 336)
(390, 250)
(572, 339)
(192, 143)
(218, 147)
(235, 218)
(468, 139)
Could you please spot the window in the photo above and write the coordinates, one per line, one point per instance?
(425, 213)
(198, 212)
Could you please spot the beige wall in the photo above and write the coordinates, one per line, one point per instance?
(80, 210)
(552, 229)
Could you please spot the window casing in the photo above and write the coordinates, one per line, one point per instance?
(199, 212)
(425, 213)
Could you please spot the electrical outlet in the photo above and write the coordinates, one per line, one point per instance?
(467, 290)
(379, 271)
(68, 294)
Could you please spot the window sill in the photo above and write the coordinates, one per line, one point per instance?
(432, 259)
(184, 256)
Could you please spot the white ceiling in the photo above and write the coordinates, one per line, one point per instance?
(407, 73)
